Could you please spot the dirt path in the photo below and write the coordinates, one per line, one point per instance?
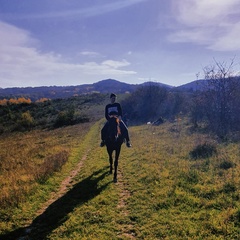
(127, 228)
(65, 185)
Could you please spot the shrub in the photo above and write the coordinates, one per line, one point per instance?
(226, 164)
(27, 120)
(205, 150)
(1, 129)
(229, 188)
(189, 177)
(64, 118)
(236, 218)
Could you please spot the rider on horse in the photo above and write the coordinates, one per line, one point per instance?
(114, 109)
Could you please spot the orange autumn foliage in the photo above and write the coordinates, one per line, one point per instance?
(20, 100)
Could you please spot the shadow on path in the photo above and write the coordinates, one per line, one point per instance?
(57, 213)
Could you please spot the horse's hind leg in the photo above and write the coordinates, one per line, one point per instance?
(116, 165)
(111, 169)
(110, 161)
(115, 171)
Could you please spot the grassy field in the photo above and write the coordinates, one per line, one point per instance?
(162, 192)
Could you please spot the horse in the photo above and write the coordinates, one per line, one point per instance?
(114, 142)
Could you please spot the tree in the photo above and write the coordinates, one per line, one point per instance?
(145, 104)
(219, 102)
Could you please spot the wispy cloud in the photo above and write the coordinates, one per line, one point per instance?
(21, 64)
(89, 53)
(213, 23)
(116, 64)
(95, 10)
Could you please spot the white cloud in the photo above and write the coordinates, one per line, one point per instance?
(204, 12)
(229, 41)
(90, 53)
(22, 64)
(13, 36)
(116, 64)
(213, 23)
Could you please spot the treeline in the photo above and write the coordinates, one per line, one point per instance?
(215, 108)
(35, 93)
(21, 114)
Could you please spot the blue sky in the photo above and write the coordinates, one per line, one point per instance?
(73, 42)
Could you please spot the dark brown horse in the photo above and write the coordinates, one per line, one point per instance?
(114, 142)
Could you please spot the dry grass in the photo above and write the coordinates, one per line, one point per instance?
(51, 164)
(28, 158)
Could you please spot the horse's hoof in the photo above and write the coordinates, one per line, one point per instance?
(115, 180)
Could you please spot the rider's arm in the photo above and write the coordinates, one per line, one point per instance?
(119, 112)
(106, 113)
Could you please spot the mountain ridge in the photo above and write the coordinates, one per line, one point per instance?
(53, 92)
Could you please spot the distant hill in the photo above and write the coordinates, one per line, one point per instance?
(53, 92)
(201, 84)
(111, 85)
(103, 86)
(156, 84)
(196, 85)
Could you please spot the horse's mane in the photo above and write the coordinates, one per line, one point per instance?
(114, 130)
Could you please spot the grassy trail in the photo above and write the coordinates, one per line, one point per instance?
(97, 205)
(160, 193)
(87, 204)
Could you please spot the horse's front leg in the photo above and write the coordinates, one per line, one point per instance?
(116, 163)
(110, 160)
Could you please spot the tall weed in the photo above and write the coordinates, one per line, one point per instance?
(27, 159)
(50, 165)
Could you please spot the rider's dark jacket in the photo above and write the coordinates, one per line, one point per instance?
(113, 109)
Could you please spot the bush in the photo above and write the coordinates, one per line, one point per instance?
(64, 118)
(236, 218)
(1, 129)
(186, 178)
(229, 188)
(226, 164)
(26, 119)
(205, 150)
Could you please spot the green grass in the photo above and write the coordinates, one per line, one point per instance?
(162, 192)
(174, 197)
